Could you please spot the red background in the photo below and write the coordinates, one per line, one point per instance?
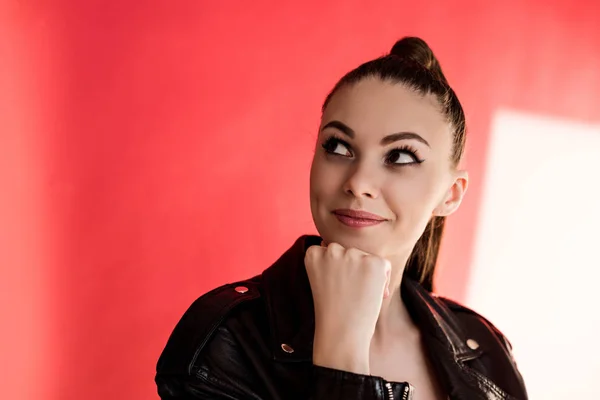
(150, 151)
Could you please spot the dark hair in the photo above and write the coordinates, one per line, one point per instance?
(412, 63)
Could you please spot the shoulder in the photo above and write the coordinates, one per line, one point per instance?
(473, 321)
(202, 321)
(497, 360)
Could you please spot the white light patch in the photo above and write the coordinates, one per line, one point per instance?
(537, 252)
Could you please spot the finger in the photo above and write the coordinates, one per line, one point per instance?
(335, 250)
(312, 252)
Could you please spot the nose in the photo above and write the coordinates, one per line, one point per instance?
(362, 182)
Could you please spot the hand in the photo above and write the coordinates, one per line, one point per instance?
(348, 287)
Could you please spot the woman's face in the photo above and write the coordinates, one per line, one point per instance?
(385, 150)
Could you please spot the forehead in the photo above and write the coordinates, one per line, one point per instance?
(376, 108)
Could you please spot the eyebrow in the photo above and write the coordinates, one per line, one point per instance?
(345, 129)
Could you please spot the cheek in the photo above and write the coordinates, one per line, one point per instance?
(315, 180)
(414, 195)
(323, 180)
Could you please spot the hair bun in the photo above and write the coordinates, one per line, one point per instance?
(417, 50)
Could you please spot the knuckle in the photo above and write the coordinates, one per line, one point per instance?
(312, 252)
(334, 246)
(335, 250)
(354, 253)
(375, 262)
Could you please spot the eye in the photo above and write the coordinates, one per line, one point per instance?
(403, 156)
(337, 147)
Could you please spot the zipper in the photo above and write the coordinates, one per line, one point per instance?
(407, 391)
(407, 394)
(390, 391)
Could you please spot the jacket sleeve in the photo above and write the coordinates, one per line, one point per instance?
(221, 373)
(336, 384)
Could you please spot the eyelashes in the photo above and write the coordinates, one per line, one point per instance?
(400, 156)
(405, 154)
(333, 144)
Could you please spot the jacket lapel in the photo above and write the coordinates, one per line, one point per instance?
(289, 303)
(446, 343)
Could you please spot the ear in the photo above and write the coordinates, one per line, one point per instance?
(454, 195)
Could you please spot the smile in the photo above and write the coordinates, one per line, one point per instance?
(357, 218)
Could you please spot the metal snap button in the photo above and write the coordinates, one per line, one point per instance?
(287, 348)
(473, 345)
(241, 289)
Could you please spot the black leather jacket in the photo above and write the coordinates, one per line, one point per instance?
(253, 340)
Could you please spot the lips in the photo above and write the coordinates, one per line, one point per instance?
(359, 214)
(358, 218)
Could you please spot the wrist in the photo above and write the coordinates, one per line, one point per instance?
(351, 354)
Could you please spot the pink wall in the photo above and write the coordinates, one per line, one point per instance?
(151, 151)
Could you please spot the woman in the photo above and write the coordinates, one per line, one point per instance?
(349, 314)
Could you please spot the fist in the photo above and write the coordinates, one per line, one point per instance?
(348, 287)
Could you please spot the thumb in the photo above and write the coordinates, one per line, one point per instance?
(388, 277)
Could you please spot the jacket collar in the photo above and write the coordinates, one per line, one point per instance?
(289, 302)
(291, 311)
